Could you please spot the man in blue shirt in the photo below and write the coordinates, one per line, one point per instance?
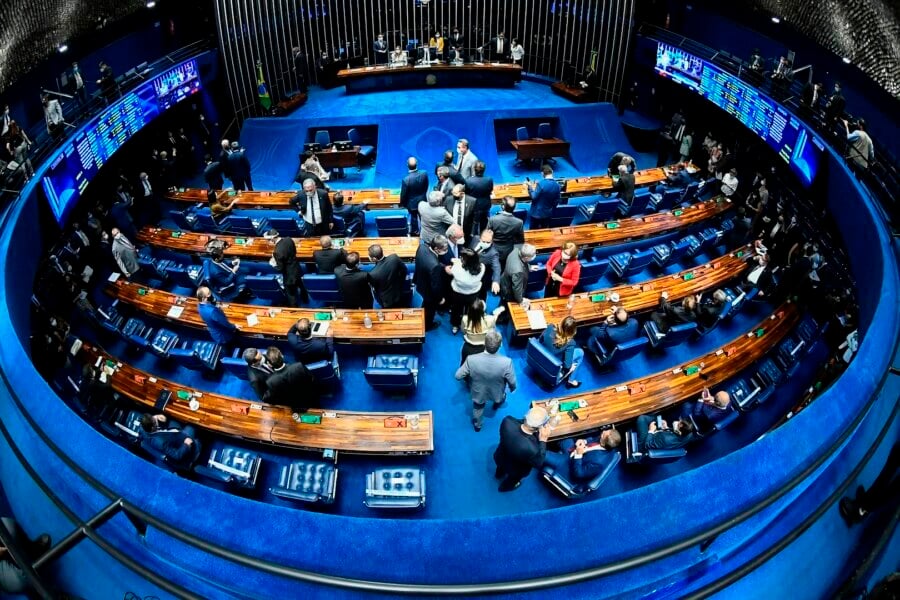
(221, 330)
(618, 328)
(545, 195)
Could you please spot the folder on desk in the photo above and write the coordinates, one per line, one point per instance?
(536, 319)
(175, 312)
(252, 320)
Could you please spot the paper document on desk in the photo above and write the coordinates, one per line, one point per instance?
(320, 328)
(536, 319)
(175, 312)
(252, 320)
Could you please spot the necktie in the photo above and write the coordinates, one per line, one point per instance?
(147, 189)
(312, 210)
(459, 163)
(680, 133)
(457, 212)
(500, 46)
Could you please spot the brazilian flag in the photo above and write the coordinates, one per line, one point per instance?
(263, 91)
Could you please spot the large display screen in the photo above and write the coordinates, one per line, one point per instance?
(790, 138)
(82, 156)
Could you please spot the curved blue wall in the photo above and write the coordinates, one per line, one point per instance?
(460, 551)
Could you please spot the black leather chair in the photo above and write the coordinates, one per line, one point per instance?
(572, 489)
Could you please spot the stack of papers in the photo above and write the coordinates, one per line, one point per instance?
(536, 319)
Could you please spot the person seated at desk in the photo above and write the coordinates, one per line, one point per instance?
(221, 330)
(709, 311)
(457, 47)
(308, 348)
(328, 258)
(352, 214)
(177, 443)
(437, 42)
(222, 277)
(669, 315)
(708, 410)
(219, 209)
(560, 341)
(678, 175)
(582, 459)
(353, 283)
(659, 436)
(618, 328)
(258, 371)
(310, 163)
(563, 272)
(287, 383)
(399, 58)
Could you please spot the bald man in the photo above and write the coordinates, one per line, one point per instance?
(709, 409)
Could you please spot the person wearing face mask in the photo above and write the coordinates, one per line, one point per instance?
(429, 277)
(77, 83)
(461, 207)
(563, 271)
(381, 50)
(490, 258)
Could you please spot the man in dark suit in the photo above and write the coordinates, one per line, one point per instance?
(308, 348)
(212, 174)
(387, 278)
(429, 277)
(480, 187)
(708, 311)
(239, 168)
(353, 283)
(669, 315)
(315, 207)
(453, 173)
(545, 195)
(223, 158)
(177, 443)
(617, 329)
(653, 437)
(353, 215)
(490, 258)
(522, 447)
(457, 43)
(515, 279)
(625, 186)
(258, 371)
(461, 207)
(287, 382)
(508, 229)
(584, 459)
(284, 259)
(498, 48)
(413, 189)
(381, 50)
(708, 410)
(328, 258)
(834, 108)
(812, 97)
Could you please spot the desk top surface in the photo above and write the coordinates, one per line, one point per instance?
(347, 431)
(387, 70)
(404, 326)
(634, 298)
(657, 392)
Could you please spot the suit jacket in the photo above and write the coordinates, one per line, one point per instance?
(490, 258)
(468, 213)
(518, 452)
(212, 175)
(311, 349)
(354, 287)
(239, 166)
(625, 187)
(287, 386)
(302, 175)
(170, 442)
(388, 278)
(508, 229)
(223, 163)
(218, 275)
(467, 165)
(481, 189)
(325, 209)
(514, 279)
(544, 198)
(285, 255)
(611, 336)
(661, 440)
(488, 374)
(125, 255)
(674, 315)
(492, 47)
(221, 330)
(433, 221)
(258, 377)
(413, 189)
(707, 313)
(328, 260)
(429, 275)
(455, 177)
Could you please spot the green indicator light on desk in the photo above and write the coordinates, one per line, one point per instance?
(598, 297)
(567, 406)
(612, 225)
(142, 292)
(688, 276)
(183, 395)
(691, 370)
(322, 316)
(180, 190)
(176, 234)
(311, 419)
(760, 332)
(232, 193)
(740, 253)
(678, 213)
(240, 241)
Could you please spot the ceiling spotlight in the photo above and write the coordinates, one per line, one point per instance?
(776, 20)
(846, 60)
(151, 3)
(62, 48)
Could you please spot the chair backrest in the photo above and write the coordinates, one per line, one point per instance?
(353, 136)
(640, 202)
(768, 372)
(572, 489)
(537, 280)
(669, 198)
(323, 288)
(265, 286)
(726, 310)
(521, 214)
(604, 210)
(134, 326)
(679, 250)
(562, 215)
(690, 192)
(545, 131)
(639, 261)
(180, 276)
(808, 329)
(392, 226)
(522, 134)
(205, 222)
(163, 342)
(187, 357)
(235, 363)
(325, 370)
(286, 226)
(340, 227)
(390, 379)
(626, 350)
(181, 220)
(239, 224)
(591, 271)
(307, 481)
(677, 334)
(323, 138)
(545, 364)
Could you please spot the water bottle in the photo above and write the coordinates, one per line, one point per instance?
(553, 411)
(381, 193)
(367, 321)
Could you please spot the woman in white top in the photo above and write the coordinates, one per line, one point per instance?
(516, 52)
(312, 165)
(475, 325)
(467, 271)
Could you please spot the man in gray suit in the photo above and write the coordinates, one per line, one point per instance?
(433, 217)
(515, 279)
(489, 374)
(465, 159)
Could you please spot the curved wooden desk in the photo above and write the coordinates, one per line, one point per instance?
(347, 431)
(405, 326)
(635, 298)
(372, 78)
(389, 198)
(616, 404)
(589, 234)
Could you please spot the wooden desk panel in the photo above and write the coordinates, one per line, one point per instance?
(381, 77)
(337, 159)
(635, 298)
(608, 406)
(405, 326)
(348, 431)
(258, 248)
(377, 199)
(345, 75)
(540, 148)
(599, 234)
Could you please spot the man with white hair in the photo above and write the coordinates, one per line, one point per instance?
(522, 447)
(314, 206)
(515, 278)
(433, 217)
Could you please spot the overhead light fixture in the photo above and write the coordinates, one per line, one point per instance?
(846, 60)
(62, 48)
(151, 3)
(776, 20)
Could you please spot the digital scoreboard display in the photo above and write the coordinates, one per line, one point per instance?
(791, 139)
(82, 156)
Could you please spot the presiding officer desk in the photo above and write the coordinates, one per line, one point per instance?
(634, 298)
(589, 234)
(406, 326)
(347, 431)
(657, 392)
(384, 198)
(438, 74)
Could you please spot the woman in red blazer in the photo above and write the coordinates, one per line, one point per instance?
(563, 271)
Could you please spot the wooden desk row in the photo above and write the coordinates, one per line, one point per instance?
(657, 392)
(634, 298)
(384, 198)
(406, 326)
(347, 431)
(589, 234)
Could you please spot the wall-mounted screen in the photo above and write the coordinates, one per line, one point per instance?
(791, 139)
(82, 156)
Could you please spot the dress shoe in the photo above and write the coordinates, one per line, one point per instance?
(477, 426)
(571, 383)
(504, 488)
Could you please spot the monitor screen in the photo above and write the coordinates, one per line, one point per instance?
(81, 157)
(793, 141)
